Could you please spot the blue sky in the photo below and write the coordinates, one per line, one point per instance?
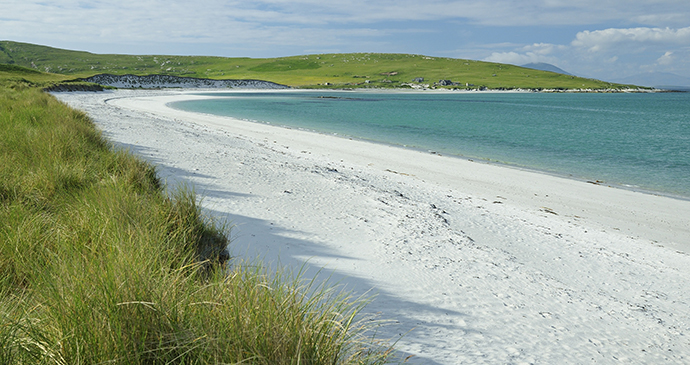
(605, 39)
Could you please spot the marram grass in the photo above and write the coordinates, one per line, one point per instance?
(100, 265)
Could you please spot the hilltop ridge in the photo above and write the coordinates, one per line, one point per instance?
(352, 70)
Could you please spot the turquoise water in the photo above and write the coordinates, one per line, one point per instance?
(638, 141)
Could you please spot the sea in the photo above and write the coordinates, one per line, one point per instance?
(637, 141)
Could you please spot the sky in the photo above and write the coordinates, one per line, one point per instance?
(604, 39)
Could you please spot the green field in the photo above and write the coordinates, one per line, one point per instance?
(355, 70)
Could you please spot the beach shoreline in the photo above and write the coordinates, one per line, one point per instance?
(486, 263)
(486, 176)
(477, 159)
(589, 176)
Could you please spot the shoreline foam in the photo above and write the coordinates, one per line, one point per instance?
(488, 264)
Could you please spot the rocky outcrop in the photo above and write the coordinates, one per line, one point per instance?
(167, 81)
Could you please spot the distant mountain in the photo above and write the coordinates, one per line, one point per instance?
(659, 80)
(546, 67)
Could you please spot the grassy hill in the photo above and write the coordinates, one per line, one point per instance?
(322, 70)
(19, 74)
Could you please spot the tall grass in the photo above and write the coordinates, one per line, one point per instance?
(99, 265)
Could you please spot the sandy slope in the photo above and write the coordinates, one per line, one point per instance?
(481, 263)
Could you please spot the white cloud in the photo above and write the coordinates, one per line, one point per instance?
(610, 53)
(318, 12)
(500, 12)
(543, 48)
(513, 58)
(612, 38)
(666, 59)
(538, 52)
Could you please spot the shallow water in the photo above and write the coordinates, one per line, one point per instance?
(640, 141)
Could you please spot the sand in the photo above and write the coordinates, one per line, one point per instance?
(472, 262)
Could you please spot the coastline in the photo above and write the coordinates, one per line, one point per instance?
(592, 178)
(488, 263)
(484, 179)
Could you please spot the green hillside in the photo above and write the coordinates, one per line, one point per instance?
(324, 70)
(19, 74)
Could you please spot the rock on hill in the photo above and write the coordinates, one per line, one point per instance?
(167, 81)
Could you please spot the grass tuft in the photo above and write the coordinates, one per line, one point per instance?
(99, 264)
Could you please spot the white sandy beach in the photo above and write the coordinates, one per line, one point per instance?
(474, 263)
